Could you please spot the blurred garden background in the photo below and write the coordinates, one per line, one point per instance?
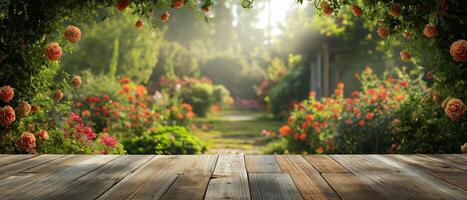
(280, 77)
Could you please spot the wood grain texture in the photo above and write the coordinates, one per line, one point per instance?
(442, 158)
(25, 164)
(100, 180)
(10, 159)
(17, 181)
(350, 187)
(425, 186)
(57, 180)
(229, 180)
(442, 171)
(192, 183)
(261, 163)
(325, 164)
(272, 186)
(152, 180)
(308, 180)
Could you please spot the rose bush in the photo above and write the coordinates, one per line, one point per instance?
(362, 123)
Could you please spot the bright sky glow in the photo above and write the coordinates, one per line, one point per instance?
(278, 9)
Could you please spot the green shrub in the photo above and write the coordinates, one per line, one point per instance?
(425, 128)
(200, 97)
(165, 140)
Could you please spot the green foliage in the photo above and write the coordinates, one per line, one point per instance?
(425, 128)
(200, 96)
(114, 46)
(165, 140)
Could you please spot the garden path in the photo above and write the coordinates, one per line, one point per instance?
(235, 132)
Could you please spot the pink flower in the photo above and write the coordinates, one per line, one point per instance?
(7, 115)
(361, 123)
(53, 51)
(405, 56)
(75, 117)
(6, 93)
(109, 141)
(72, 34)
(89, 133)
(455, 109)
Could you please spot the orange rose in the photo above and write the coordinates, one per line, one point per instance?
(383, 32)
(327, 10)
(405, 56)
(455, 109)
(53, 51)
(7, 115)
(178, 4)
(205, 9)
(27, 141)
(86, 113)
(6, 93)
(139, 24)
(459, 50)
(72, 34)
(58, 95)
(357, 11)
(284, 130)
(340, 85)
(464, 148)
(24, 108)
(395, 10)
(43, 135)
(122, 4)
(165, 16)
(430, 31)
(76, 81)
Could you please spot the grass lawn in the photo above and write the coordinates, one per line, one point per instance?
(235, 132)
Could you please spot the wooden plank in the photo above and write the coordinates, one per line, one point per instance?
(390, 182)
(308, 180)
(261, 163)
(40, 188)
(450, 174)
(192, 183)
(100, 180)
(152, 180)
(443, 159)
(7, 159)
(19, 166)
(229, 180)
(325, 164)
(350, 187)
(431, 186)
(272, 186)
(16, 182)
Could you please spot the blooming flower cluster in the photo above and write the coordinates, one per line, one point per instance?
(359, 123)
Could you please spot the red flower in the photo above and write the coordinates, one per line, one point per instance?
(356, 110)
(383, 32)
(165, 16)
(6, 93)
(327, 10)
(122, 4)
(24, 108)
(284, 130)
(355, 94)
(302, 136)
(109, 141)
(319, 150)
(106, 97)
(339, 92)
(404, 83)
(348, 121)
(361, 123)
(58, 95)
(356, 10)
(43, 135)
(124, 80)
(7, 115)
(86, 113)
(205, 9)
(395, 10)
(405, 56)
(139, 24)
(305, 125)
(177, 4)
(89, 133)
(309, 117)
(370, 116)
(458, 50)
(53, 51)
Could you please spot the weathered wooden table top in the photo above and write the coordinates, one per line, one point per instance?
(233, 177)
